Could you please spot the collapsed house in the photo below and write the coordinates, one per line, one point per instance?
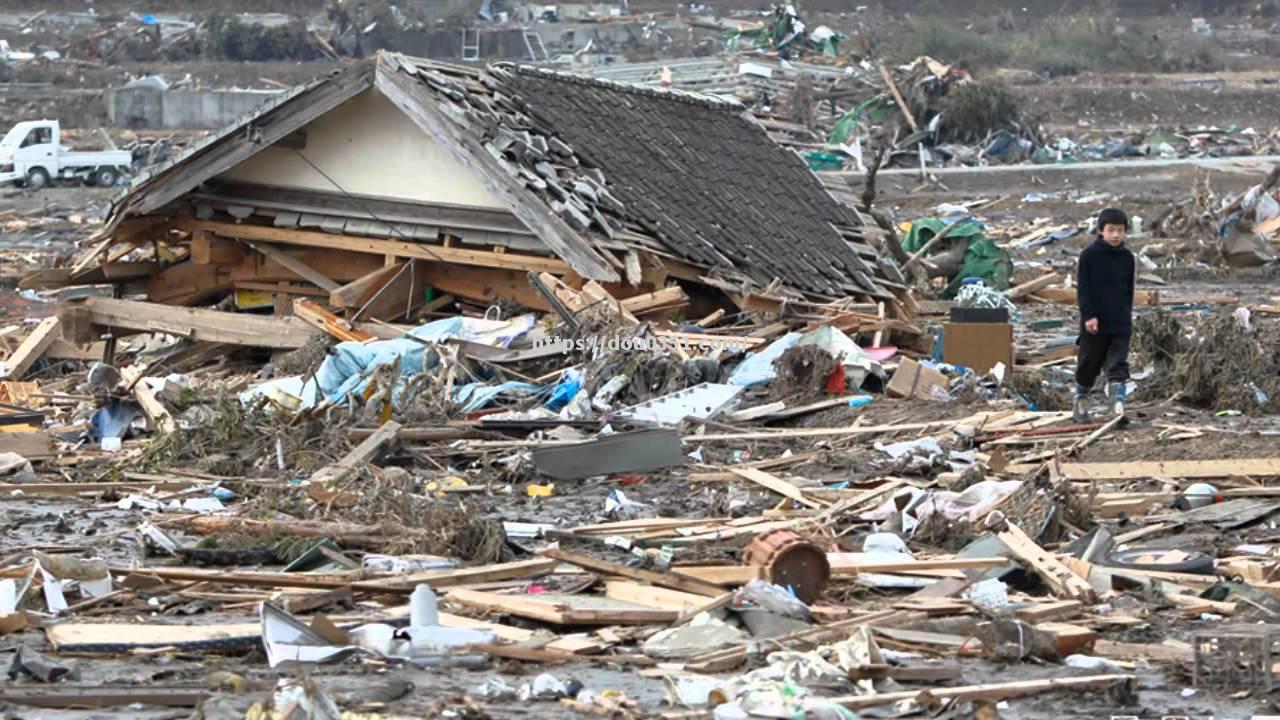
(402, 184)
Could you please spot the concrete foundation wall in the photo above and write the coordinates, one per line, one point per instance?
(146, 108)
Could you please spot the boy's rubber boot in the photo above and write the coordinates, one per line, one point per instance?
(1080, 410)
(1115, 400)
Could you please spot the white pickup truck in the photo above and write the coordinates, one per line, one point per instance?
(32, 155)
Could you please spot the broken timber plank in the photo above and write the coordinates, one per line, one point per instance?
(723, 574)
(728, 658)
(1170, 651)
(196, 324)
(711, 319)
(1067, 296)
(992, 692)
(1050, 611)
(361, 454)
(758, 411)
(1068, 639)
(63, 489)
(652, 596)
(105, 637)
(61, 349)
(537, 607)
(785, 413)
(855, 563)
(357, 292)
(157, 414)
(394, 585)
(673, 580)
(485, 285)
(1052, 571)
(315, 277)
(398, 297)
(377, 246)
(664, 299)
(31, 349)
(208, 249)
(1254, 467)
(819, 432)
(514, 570)
(897, 98)
(1030, 287)
(591, 297)
(776, 484)
(325, 321)
(959, 644)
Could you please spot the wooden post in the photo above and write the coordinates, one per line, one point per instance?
(897, 97)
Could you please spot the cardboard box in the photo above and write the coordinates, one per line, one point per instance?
(913, 380)
(978, 346)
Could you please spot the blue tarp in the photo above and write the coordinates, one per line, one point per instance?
(757, 369)
(476, 396)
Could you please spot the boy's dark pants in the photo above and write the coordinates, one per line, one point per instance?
(1098, 353)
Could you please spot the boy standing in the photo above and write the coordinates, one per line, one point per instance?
(1104, 293)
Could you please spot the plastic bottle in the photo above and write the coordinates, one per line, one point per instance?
(422, 608)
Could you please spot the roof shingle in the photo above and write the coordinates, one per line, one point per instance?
(692, 170)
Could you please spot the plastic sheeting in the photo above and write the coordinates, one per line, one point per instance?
(112, 420)
(477, 395)
(346, 370)
(757, 369)
(857, 363)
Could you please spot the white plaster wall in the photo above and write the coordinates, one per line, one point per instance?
(369, 148)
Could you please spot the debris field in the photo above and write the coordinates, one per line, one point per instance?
(431, 389)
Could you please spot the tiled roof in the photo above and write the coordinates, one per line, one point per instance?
(689, 169)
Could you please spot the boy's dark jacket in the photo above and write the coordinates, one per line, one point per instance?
(1104, 287)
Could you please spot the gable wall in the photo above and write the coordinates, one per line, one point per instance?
(369, 148)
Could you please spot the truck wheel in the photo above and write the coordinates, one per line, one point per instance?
(37, 178)
(106, 177)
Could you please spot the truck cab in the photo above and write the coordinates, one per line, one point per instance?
(31, 154)
(30, 147)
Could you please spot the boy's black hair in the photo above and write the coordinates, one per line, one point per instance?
(1112, 216)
